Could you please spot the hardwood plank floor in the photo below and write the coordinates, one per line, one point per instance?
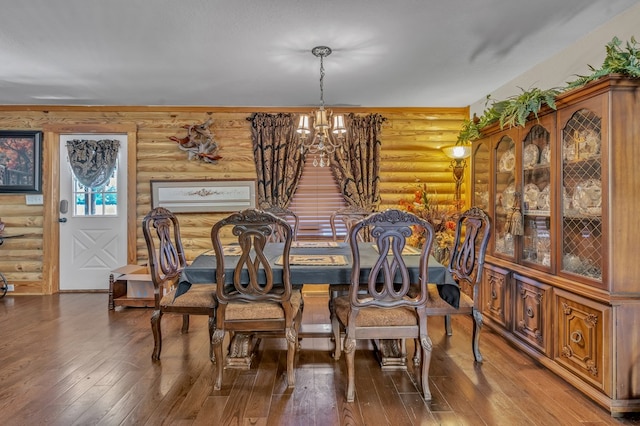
(66, 360)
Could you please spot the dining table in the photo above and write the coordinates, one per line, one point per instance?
(317, 262)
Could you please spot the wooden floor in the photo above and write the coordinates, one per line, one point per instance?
(67, 360)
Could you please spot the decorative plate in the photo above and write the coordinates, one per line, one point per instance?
(544, 199)
(531, 192)
(566, 199)
(591, 145)
(545, 156)
(569, 150)
(508, 197)
(531, 155)
(587, 197)
(507, 161)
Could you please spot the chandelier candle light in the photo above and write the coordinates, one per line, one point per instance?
(322, 144)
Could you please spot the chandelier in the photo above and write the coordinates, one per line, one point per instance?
(327, 138)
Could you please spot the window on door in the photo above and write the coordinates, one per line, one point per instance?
(318, 195)
(96, 202)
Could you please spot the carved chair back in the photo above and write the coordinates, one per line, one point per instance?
(166, 255)
(253, 277)
(389, 281)
(469, 248)
(349, 216)
(288, 215)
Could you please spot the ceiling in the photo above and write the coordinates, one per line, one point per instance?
(386, 53)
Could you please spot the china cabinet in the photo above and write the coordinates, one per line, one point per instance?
(562, 279)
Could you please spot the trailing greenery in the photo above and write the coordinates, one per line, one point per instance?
(511, 112)
(618, 60)
(472, 129)
(515, 110)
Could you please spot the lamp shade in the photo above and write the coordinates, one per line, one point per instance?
(303, 125)
(457, 152)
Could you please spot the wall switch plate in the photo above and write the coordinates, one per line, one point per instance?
(10, 287)
(34, 199)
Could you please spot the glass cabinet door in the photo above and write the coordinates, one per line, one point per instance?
(481, 165)
(581, 195)
(506, 197)
(536, 197)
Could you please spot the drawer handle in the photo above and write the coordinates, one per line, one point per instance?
(576, 337)
(494, 295)
(529, 312)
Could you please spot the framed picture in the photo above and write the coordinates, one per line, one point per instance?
(20, 161)
(188, 196)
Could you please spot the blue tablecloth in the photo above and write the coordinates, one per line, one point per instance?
(203, 269)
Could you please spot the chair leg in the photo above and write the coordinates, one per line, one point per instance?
(156, 316)
(335, 324)
(417, 353)
(350, 352)
(477, 322)
(212, 329)
(447, 325)
(426, 347)
(218, 338)
(185, 324)
(292, 341)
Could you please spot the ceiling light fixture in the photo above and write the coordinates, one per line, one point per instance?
(327, 138)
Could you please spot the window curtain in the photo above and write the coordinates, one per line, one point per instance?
(357, 166)
(279, 162)
(93, 162)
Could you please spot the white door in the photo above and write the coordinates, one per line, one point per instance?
(93, 224)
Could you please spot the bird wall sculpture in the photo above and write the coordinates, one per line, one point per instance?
(199, 143)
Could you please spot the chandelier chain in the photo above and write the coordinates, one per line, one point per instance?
(322, 81)
(329, 129)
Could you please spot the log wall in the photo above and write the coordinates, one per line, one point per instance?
(411, 141)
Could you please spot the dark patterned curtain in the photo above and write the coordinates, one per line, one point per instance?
(279, 162)
(93, 162)
(357, 166)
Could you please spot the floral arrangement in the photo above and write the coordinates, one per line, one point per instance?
(441, 217)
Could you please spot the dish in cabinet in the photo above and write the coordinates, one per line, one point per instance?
(530, 155)
(583, 145)
(531, 193)
(508, 197)
(545, 155)
(507, 161)
(587, 197)
(566, 199)
(591, 145)
(544, 199)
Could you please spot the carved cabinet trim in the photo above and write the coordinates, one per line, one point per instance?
(532, 313)
(581, 343)
(496, 295)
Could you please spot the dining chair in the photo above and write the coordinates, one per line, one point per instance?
(465, 265)
(287, 215)
(166, 262)
(254, 300)
(349, 216)
(384, 309)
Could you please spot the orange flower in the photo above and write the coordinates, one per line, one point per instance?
(440, 216)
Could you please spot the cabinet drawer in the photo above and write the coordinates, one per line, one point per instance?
(532, 313)
(580, 345)
(495, 294)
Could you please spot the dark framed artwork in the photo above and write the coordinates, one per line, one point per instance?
(20, 161)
